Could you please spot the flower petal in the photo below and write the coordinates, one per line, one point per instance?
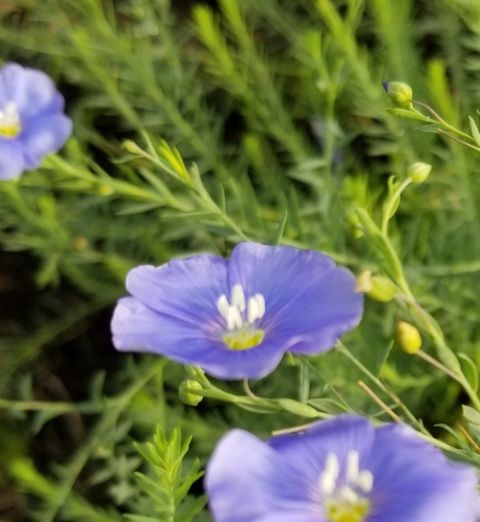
(186, 289)
(246, 483)
(309, 300)
(32, 91)
(307, 451)
(44, 135)
(415, 481)
(136, 327)
(12, 162)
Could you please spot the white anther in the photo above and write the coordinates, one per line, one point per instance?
(9, 115)
(260, 305)
(328, 479)
(252, 310)
(223, 306)
(234, 318)
(353, 466)
(365, 481)
(238, 297)
(348, 495)
(256, 308)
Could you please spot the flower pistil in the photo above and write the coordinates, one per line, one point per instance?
(346, 499)
(10, 126)
(241, 317)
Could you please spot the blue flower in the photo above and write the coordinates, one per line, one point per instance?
(341, 470)
(32, 123)
(236, 318)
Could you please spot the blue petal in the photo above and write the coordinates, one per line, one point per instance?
(415, 481)
(246, 482)
(44, 135)
(307, 451)
(184, 289)
(310, 302)
(137, 327)
(32, 91)
(12, 162)
(184, 294)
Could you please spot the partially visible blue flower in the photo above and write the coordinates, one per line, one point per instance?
(236, 318)
(341, 470)
(32, 122)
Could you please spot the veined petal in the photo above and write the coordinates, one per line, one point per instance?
(12, 162)
(44, 135)
(185, 289)
(309, 300)
(415, 481)
(246, 483)
(137, 327)
(307, 451)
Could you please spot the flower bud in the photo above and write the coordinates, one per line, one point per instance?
(80, 243)
(378, 288)
(408, 337)
(186, 395)
(132, 147)
(418, 172)
(400, 93)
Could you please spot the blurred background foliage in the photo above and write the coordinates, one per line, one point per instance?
(277, 108)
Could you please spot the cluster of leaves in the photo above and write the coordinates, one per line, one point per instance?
(197, 126)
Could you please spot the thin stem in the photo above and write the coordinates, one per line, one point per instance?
(469, 438)
(391, 203)
(458, 140)
(248, 390)
(411, 417)
(294, 429)
(442, 122)
(376, 399)
(437, 364)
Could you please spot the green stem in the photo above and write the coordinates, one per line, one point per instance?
(390, 204)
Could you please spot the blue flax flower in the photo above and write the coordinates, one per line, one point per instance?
(32, 123)
(341, 470)
(236, 318)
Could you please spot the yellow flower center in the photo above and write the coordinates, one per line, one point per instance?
(243, 339)
(10, 126)
(241, 317)
(348, 512)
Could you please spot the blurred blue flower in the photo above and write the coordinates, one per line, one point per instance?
(236, 318)
(341, 470)
(32, 123)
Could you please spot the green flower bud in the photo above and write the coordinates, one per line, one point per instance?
(186, 394)
(418, 172)
(408, 337)
(400, 93)
(378, 288)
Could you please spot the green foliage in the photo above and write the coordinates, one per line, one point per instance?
(166, 487)
(197, 127)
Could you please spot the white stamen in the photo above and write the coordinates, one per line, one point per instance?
(234, 319)
(347, 495)
(238, 297)
(365, 481)
(260, 304)
(328, 479)
(9, 115)
(353, 466)
(256, 308)
(252, 310)
(223, 306)
(233, 311)
(345, 489)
